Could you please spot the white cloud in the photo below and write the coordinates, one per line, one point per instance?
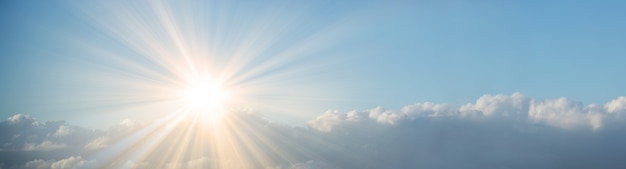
(130, 164)
(562, 112)
(384, 116)
(98, 143)
(495, 131)
(514, 106)
(429, 109)
(565, 113)
(46, 145)
(73, 162)
(128, 123)
(354, 116)
(69, 163)
(21, 119)
(617, 105)
(63, 130)
(326, 121)
(38, 164)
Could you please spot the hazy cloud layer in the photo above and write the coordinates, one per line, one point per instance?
(496, 131)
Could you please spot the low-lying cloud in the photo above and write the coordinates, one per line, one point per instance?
(496, 131)
(562, 112)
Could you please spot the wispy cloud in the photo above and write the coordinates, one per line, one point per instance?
(68, 163)
(46, 145)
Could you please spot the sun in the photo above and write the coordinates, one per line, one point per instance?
(206, 97)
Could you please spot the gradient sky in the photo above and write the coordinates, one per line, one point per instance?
(312, 84)
(361, 54)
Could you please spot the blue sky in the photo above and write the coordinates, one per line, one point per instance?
(371, 54)
(319, 84)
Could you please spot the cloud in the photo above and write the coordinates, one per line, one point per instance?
(495, 131)
(98, 143)
(24, 139)
(310, 165)
(63, 130)
(617, 106)
(566, 113)
(68, 163)
(562, 112)
(46, 145)
(326, 121)
(130, 164)
(21, 120)
(38, 164)
(514, 106)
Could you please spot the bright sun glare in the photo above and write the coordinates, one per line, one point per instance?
(209, 98)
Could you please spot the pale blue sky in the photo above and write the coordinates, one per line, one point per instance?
(376, 54)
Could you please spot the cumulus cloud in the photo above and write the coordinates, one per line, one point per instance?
(562, 112)
(514, 106)
(28, 143)
(495, 131)
(98, 143)
(326, 121)
(21, 119)
(63, 130)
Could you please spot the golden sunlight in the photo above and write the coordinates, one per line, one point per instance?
(206, 97)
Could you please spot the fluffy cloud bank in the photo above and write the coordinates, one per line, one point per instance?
(562, 113)
(496, 131)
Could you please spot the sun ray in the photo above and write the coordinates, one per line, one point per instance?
(201, 69)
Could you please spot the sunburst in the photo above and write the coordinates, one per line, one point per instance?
(207, 97)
